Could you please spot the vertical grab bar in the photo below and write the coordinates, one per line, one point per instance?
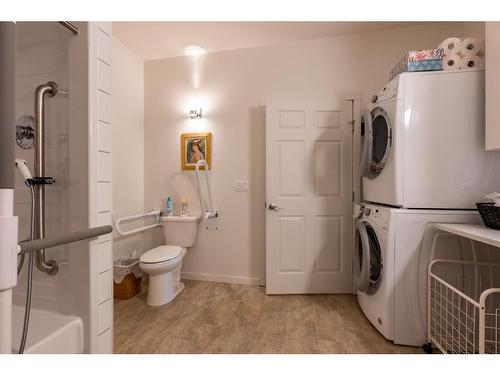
(211, 212)
(50, 88)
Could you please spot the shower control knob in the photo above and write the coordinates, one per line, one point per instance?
(25, 132)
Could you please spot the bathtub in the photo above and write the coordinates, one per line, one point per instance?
(49, 332)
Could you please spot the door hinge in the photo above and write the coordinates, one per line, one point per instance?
(352, 122)
(353, 196)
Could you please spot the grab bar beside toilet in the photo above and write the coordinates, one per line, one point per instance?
(121, 232)
(211, 211)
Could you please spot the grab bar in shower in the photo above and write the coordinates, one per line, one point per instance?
(44, 243)
(48, 89)
(121, 232)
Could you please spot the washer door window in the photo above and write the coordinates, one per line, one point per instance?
(368, 259)
(376, 140)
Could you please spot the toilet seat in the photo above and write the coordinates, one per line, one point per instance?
(161, 254)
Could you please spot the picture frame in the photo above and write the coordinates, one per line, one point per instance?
(195, 146)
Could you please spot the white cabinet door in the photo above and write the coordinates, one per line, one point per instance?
(492, 85)
(309, 182)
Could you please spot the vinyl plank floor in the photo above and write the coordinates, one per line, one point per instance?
(210, 317)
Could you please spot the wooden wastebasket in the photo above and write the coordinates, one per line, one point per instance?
(129, 287)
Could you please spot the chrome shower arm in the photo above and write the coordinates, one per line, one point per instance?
(70, 26)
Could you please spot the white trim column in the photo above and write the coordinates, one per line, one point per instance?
(8, 222)
(8, 266)
(100, 186)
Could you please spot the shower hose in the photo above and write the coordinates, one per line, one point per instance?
(29, 286)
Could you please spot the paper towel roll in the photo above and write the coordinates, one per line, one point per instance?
(470, 46)
(451, 45)
(452, 62)
(471, 62)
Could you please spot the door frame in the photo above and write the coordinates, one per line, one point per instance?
(356, 183)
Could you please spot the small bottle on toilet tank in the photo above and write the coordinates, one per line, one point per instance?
(184, 206)
(169, 206)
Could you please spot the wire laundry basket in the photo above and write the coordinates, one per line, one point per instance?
(464, 307)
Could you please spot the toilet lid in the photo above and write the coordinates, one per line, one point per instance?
(161, 254)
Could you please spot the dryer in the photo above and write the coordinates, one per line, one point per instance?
(391, 256)
(423, 142)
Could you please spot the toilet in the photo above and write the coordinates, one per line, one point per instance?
(163, 263)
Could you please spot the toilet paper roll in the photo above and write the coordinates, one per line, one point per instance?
(451, 46)
(452, 62)
(470, 46)
(472, 62)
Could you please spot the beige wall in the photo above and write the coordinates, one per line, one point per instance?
(233, 88)
(475, 29)
(128, 143)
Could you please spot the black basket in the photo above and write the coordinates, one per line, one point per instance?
(490, 214)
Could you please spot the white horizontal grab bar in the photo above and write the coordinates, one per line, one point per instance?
(156, 213)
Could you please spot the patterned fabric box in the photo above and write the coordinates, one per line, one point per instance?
(418, 61)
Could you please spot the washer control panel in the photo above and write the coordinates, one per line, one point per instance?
(378, 216)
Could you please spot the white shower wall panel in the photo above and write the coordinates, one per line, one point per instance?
(46, 51)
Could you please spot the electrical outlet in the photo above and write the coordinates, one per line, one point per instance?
(241, 186)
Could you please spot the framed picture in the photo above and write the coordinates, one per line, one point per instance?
(194, 147)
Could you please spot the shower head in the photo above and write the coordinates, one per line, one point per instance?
(23, 168)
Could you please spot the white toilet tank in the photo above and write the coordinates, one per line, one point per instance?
(180, 230)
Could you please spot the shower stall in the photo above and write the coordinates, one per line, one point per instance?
(63, 132)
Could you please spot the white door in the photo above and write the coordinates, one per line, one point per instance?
(309, 196)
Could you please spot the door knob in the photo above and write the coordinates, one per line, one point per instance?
(274, 207)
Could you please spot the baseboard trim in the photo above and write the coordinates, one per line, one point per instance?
(220, 278)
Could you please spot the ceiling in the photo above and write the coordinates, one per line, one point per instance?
(157, 40)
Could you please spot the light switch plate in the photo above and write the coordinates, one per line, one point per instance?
(241, 186)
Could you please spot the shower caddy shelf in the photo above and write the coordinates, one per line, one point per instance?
(463, 315)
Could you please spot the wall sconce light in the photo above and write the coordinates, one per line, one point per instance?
(195, 113)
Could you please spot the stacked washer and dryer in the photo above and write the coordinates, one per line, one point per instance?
(423, 161)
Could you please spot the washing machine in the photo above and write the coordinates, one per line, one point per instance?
(392, 255)
(423, 142)
(374, 267)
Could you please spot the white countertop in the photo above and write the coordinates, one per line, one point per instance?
(474, 232)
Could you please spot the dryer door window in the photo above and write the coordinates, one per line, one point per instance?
(368, 259)
(382, 141)
(366, 144)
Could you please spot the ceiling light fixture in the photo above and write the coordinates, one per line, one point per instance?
(194, 50)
